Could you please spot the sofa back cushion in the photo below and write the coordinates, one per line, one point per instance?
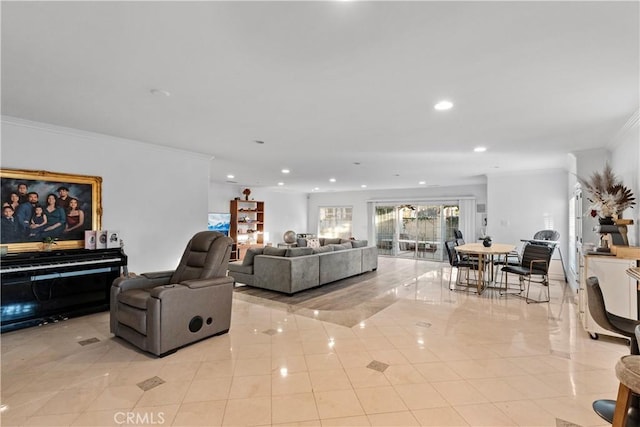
(251, 253)
(340, 247)
(359, 243)
(322, 249)
(293, 252)
(270, 250)
(331, 241)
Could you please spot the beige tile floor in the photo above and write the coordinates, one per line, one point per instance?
(447, 359)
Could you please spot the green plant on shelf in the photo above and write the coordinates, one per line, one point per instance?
(48, 242)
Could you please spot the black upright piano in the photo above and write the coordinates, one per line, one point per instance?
(43, 287)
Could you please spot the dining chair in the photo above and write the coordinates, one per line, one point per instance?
(459, 263)
(535, 262)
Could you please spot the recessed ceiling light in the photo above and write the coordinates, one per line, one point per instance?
(160, 92)
(480, 149)
(443, 105)
(316, 189)
(364, 186)
(281, 183)
(332, 180)
(230, 176)
(285, 171)
(422, 182)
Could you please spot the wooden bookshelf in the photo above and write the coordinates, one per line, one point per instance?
(247, 226)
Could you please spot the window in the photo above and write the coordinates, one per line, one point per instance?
(335, 222)
(415, 230)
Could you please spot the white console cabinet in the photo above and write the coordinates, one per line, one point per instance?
(619, 290)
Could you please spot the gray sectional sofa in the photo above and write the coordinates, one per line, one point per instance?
(295, 269)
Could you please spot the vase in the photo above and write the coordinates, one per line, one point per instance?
(607, 220)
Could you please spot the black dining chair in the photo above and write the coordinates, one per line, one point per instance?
(534, 263)
(459, 264)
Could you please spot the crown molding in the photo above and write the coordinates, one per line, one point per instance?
(621, 135)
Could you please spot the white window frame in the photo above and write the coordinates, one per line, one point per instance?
(340, 226)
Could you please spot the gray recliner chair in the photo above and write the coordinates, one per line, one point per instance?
(163, 311)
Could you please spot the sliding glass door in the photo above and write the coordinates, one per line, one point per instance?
(415, 230)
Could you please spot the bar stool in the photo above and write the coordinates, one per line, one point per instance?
(628, 373)
(620, 325)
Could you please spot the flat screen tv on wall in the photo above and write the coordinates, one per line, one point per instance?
(219, 222)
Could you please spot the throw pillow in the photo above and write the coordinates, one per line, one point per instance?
(270, 250)
(302, 243)
(336, 247)
(293, 252)
(251, 253)
(313, 243)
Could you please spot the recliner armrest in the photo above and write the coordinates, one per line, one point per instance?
(144, 281)
(166, 290)
(214, 281)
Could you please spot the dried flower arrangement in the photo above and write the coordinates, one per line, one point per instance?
(608, 196)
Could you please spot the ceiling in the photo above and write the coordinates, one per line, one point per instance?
(334, 89)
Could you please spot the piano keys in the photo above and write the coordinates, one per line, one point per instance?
(42, 287)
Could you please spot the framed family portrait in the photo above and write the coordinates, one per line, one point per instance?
(42, 206)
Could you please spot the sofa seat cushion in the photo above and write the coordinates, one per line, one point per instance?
(135, 298)
(239, 267)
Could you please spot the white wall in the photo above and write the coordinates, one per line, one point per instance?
(359, 200)
(156, 197)
(625, 162)
(519, 205)
(283, 210)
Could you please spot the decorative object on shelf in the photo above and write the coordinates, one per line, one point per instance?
(607, 220)
(486, 242)
(246, 193)
(289, 236)
(607, 195)
(48, 243)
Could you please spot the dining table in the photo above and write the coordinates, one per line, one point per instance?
(485, 255)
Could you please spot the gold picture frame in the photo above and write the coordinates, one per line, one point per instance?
(32, 235)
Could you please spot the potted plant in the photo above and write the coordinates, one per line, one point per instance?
(608, 197)
(48, 242)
